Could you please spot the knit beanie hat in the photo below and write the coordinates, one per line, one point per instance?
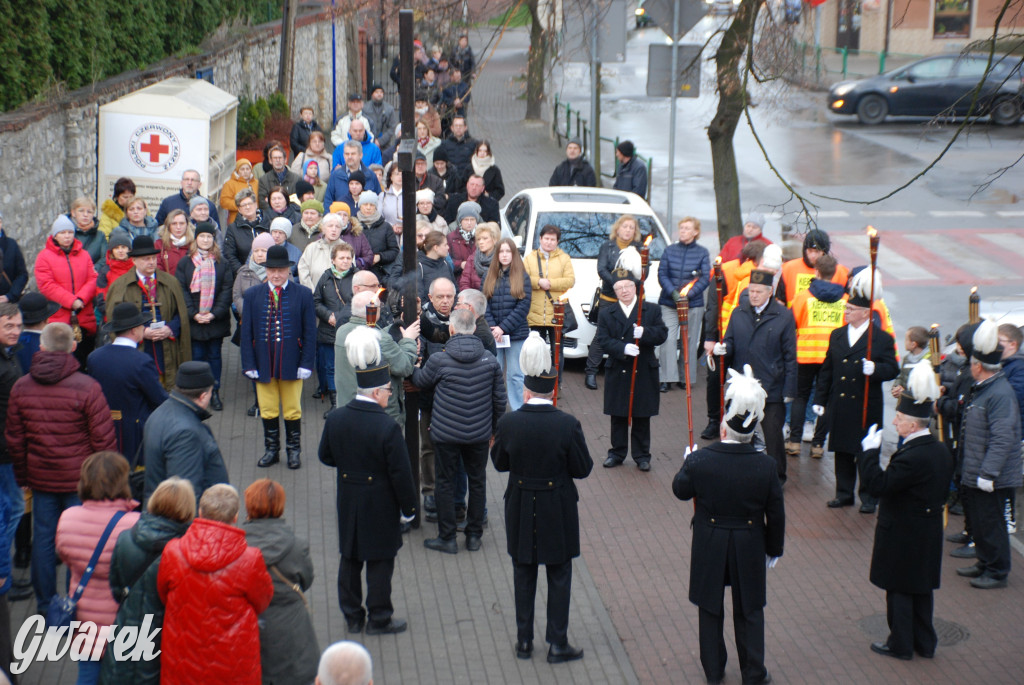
(264, 240)
(338, 207)
(282, 224)
(312, 204)
(63, 223)
(369, 197)
(467, 209)
(754, 218)
(195, 202)
(424, 195)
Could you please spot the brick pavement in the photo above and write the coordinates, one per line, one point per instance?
(629, 608)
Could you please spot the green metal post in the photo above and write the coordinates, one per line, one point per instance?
(554, 121)
(881, 62)
(846, 54)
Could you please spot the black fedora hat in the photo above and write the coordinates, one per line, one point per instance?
(35, 308)
(277, 258)
(125, 317)
(143, 246)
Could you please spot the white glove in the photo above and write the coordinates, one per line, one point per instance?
(787, 400)
(868, 367)
(818, 410)
(638, 331)
(873, 440)
(719, 349)
(402, 518)
(985, 484)
(303, 374)
(690, 450)
(769, 562)
(253, 374)
(631, 350)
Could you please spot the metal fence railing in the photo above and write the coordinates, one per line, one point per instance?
(823, 65)
(567, 122)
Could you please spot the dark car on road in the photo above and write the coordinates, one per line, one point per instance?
(941, 85)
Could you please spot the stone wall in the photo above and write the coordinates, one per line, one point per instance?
(48, 151)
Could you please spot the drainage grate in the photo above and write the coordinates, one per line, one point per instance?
(949, 633)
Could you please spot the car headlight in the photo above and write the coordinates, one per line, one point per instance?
(640, 11)
(842, 89)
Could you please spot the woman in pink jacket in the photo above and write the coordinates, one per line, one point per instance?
(103, 489)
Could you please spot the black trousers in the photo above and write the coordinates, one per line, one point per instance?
(639, 438)
(748, 627)
(774, 420)
(713, 395)
(988, 528)
(378, 589)
(910, 623)
(524, 577)
(806, 374)
(594, 353)
(474, 458)
(846, 479)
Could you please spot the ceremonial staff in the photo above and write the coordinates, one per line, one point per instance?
(645, 255)
(973, 303)
(558, 318)
(683, 312)
(720, 293)
(933, 348)
(372, 309)
(873, 240)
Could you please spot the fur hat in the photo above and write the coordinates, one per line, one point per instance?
(424, 195)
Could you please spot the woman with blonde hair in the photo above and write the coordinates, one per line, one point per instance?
(175, 238)
(137, 220)
(486, 239)
(507, 289)
(288, 647)
(87, 228)
(133, 572)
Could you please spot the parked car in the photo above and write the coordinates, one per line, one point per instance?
(934, 86)
(722, 6)
(585, 217)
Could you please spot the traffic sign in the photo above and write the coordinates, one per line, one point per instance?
(690, 12)
(659, 70)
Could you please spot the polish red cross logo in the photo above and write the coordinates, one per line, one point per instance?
(154, 148)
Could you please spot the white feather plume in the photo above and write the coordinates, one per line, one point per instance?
(629, 259)
(986, 337)
(535, 356)
(772, 257)
(861, 283)
(921, 383)
(362, 346)
(744, 395)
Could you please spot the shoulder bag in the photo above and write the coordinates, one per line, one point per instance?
(569, 323)
(62, 610)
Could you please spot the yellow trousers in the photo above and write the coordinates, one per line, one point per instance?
(283, 395)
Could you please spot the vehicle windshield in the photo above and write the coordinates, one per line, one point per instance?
(583, 233)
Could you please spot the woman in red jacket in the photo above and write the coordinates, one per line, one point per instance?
(103, 489)
(65, 274)
(214, 586)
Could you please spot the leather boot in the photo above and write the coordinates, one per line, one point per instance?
(293, 442)
(215, 403)
(272, 441)
(334, 402)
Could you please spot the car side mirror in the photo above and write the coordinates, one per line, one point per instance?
(911, 78)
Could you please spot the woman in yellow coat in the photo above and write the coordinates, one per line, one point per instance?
(551, 276)
(241, 177)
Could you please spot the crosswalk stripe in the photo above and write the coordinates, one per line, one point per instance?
(1013, 242)
(882, 213)
(964, 212)
(835, 214)
(1015, 213)
(889, 261)
(958, 251)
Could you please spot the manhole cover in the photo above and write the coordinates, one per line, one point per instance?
(949, 633)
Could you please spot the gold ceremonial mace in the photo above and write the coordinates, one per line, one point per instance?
(558, 318)
(373, 309)
(973, 304)
(873, 240)
(683, 312)
(933, 348)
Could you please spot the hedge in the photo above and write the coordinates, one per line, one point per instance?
(78, 42)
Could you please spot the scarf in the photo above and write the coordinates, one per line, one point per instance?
(482, 263)
(281, 175)
(480, 165)
(258, 270)
(468, 237)
(204, 279)
(339, 274)
(368, 221)
(179, 242)
(623, 244)
(422, 142)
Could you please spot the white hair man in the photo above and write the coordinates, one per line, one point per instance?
(345, 663)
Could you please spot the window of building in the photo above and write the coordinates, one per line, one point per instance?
(952, 19)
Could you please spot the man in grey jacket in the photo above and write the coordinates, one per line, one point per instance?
(990, 434)
(382, 116)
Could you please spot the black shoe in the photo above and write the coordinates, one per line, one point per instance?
(926, 655)
(318, 394)
(355, 625)
(961, 538)
(612, 462)
(591, 381)
(682, 385)
(710, 432)
(644, 465)
(215, 403)
(988, 582)
(665, 387)
(272, 443)
(254, 410)
(473, 543)
(439, 545)
(524, 649)
(968, 551)
(558, 654)
(429, 504)
(866, 508)
(18, 594)
(837, 503)
(956, 509)
(970, 571)
(334, 402)
(293, 442)
(392, 626)
(883, 649)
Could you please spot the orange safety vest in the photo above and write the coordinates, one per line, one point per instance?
(815, 321)
(742, 275)
(797, 277)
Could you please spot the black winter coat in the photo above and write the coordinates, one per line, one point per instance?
(134, 567)
(238, 241)
(990, 434)
(740, 518)
(220, 327)
(469, 391)
(840, 385)
(542, 523)
(374, 479)
(428, 270)
(332, 296)
(459, 153)
(766, 342)
(632, 176)
(911, 493)
(614, 332)
(14, 275)
(494, 186)
(506, 311)
(383, 242)
(569, 174)
(607, 256)
(951, 403)
(489, 210)
(10, 372)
